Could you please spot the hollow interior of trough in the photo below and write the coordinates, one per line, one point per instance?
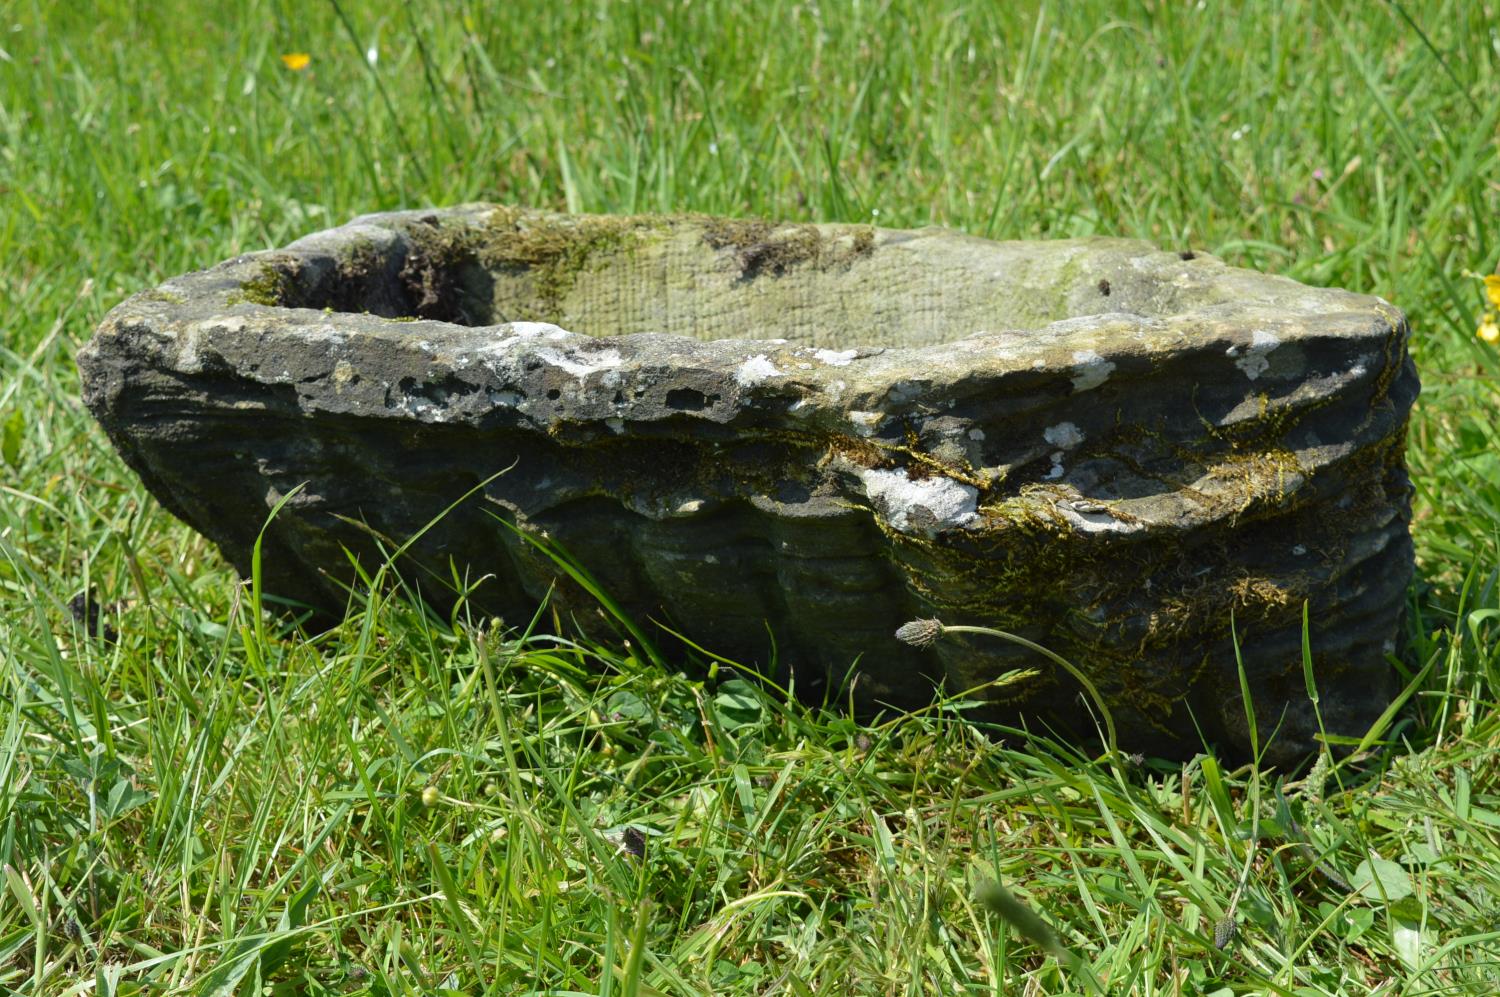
(834, 286)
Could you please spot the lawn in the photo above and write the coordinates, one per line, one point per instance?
(211, 801)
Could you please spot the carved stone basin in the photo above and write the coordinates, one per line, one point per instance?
(783, 441)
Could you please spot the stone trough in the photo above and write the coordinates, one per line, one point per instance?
(783, 441)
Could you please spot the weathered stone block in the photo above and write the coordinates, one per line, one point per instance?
(785, 440)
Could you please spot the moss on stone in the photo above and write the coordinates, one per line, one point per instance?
(359, 259)
(271, 286)
(439, 247)
(549, 253)
(1025, 564)
(555, 250)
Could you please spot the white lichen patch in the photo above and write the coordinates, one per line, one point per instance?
(422, 409)
(836, 358)
(1066, 435)
(522, 332)
(928, 505)
(1056, 470)
(1254, 359)
(579, 363)
(755, 370)
(977, 435)
(532, 330)
(1090, 370)
(615, 425)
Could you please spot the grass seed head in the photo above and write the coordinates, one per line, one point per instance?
(1224, 932)
(920, 633)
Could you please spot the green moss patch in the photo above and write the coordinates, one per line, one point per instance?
(272, 286)
(555, 250)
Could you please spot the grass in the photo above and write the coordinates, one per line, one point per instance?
(211, 802)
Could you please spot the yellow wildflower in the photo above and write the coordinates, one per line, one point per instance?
(296, 61)
(1488, 331)
(1492, 289)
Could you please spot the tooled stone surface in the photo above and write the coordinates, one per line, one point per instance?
(784, 441)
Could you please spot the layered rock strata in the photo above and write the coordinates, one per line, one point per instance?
(782, 441)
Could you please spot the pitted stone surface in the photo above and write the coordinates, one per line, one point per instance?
(808, 435)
